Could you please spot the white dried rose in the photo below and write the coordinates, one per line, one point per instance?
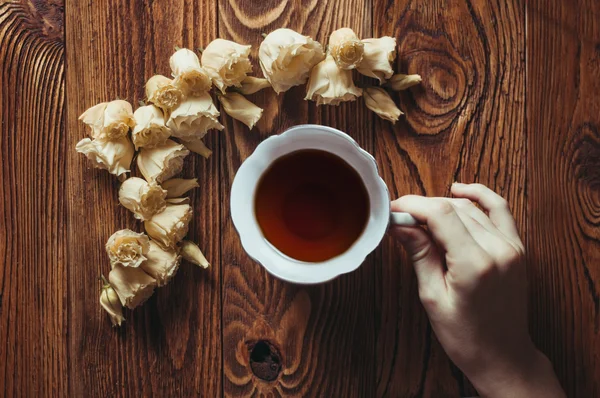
(162, 92)
(401, 82)
(161, 264)
(109, 120)
(346, 48)
(378, 57)
(251, 85)
(198, 147)
(192, 253)
(144, 199)
(286, 58)
(380, 102)
(150, 129)
(176, 187)
(109, 300)
(189, 76)
(226, 62)
(239, 108)
(114, 156)
(192, 119)
(328, 84)
(133, 285)
(127, 248)
(162, 162)
(170, 226)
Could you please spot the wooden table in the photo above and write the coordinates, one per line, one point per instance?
(510, 98)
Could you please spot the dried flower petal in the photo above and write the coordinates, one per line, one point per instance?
(239, 108)
(177, 187)
(150, 129)
(161, 91)
(251, 85)
(401, 82)
(286, 58)
(189, 75)
(161, 264)
(109, 300)
(380, 102)
(192, 119)
(192, 253)
(198, 147)
(162, 162)
(133, 285)
(109, 120)
(170, 226)
(226, 62)
(144, 199)
(114, 156)
(346, 48)
(328, 84)
(378, 57)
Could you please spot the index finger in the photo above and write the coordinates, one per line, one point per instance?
(444, 224)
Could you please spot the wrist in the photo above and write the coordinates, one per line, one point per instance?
(527, 374)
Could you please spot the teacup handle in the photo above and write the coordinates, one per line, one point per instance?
(403, 219)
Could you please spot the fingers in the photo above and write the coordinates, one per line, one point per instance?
(500, 250)
(443, 222)
(427, 261)
(495, 205)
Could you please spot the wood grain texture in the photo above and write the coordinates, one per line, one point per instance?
(465, 122)
(323, 336)
(518, 112)
(33, 267)
(171, 345)
(563, 113)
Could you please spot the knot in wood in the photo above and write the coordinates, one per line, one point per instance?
(265, 360)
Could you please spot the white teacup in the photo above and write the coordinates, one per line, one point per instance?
(310, 136)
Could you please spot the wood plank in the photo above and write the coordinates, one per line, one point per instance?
(170, 346)
(33, 299)
(323, 335)
(465, 123)
(563, 113)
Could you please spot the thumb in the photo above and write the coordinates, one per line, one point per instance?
(425, 257)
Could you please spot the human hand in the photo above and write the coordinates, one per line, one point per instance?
(472, 283)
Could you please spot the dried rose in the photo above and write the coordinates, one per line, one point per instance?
(198, 147)
(109, 300)
(328, 84)
(162, 162)
(133, 285)
(162, 92)
(378, 57)
(150, 129)
(170, 226)
(286, 58)
(192, 253)
(346, 48)
(192, 119)
(401, 82)
(114, 156)
(161, 264)
(144, 199)
(239, 108)
(176, 187)
(226, 62)
(109, 120)
(189, 75)
(251, 85)
(380, 102)
(127, 248)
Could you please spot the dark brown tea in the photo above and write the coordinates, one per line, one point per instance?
(311, 205)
